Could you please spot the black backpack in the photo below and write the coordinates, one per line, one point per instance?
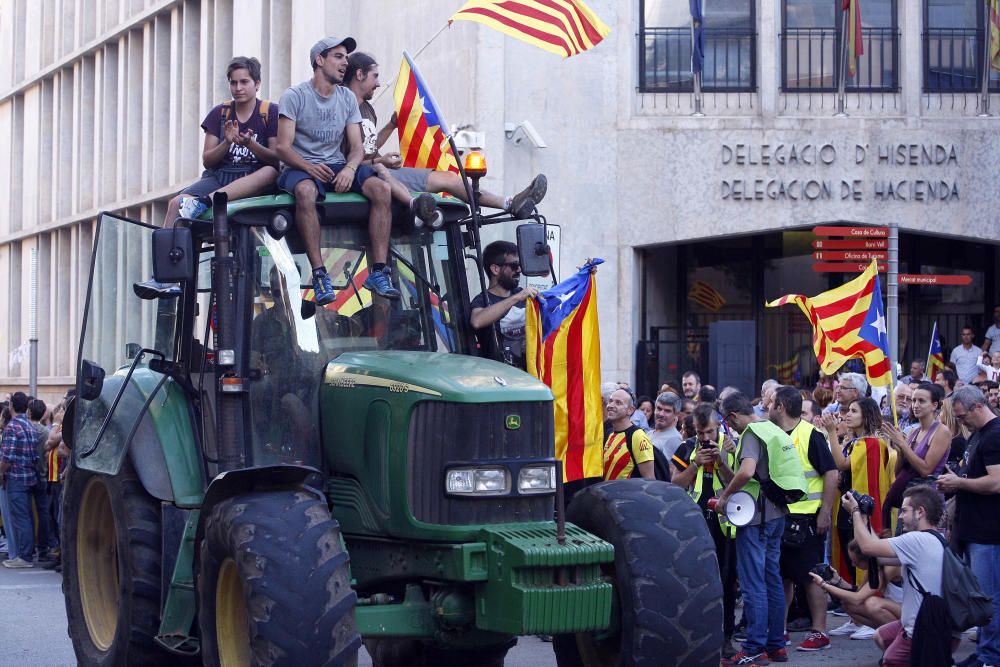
(661, 466)
(968, 606)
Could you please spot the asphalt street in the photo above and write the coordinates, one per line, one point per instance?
(33, 631)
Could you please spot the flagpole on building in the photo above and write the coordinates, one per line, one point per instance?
(892, 296)
(696, 76)
(987, 39)
(842, 78)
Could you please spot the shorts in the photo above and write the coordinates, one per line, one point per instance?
(797, 560)
(214, 179)
(414, 180)
(289, 178)
(897, 644)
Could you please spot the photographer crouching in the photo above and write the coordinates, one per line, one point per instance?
(920, 553)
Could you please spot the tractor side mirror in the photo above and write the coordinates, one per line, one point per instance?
(91, 380)
(173, 255)
(533, 249)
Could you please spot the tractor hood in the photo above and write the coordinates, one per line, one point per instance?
(449, 377)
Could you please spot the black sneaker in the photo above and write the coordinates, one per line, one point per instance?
(152, 289)
(523, 203)
(424, 207)
(50, 564)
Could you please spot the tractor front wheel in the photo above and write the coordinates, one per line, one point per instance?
(274, 584)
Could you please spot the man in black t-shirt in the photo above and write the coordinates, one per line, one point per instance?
(501, 306)
(977, 495)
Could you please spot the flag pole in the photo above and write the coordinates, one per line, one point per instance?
(842, 79)
(930, 348)
(389, 84)
(892, 295)
(696, 76)
(987, 39)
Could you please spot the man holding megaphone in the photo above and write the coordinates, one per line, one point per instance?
(770, 471)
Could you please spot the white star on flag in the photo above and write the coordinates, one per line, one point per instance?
(563, 298)
(879, 325)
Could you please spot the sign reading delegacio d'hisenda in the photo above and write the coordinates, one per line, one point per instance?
(823, 172)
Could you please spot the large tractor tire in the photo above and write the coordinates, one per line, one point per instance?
(391, 652)
(668, 595)
(111, 569)
(274, 584)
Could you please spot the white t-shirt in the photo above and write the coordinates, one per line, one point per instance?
(991, 373)
(922, 553)
(966, 362)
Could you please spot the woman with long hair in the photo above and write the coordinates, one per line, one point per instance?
(863, 460)
(959, 434)
(923, 453)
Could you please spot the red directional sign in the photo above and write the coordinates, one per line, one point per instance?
(844, 267)
(850, 244)
(914, 279)
(850, 255)
(852, 232)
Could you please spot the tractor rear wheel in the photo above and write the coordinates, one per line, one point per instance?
(274, 584)
(111, 569)
(668, 595)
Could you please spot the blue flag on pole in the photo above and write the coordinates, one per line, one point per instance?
(697, 37)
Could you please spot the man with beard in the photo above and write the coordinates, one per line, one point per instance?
(501, 306)
(362, 78)
(316, 116)
(665, 435)
(904, 396)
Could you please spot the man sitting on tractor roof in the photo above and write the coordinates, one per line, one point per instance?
(315, 117)
(362, 78)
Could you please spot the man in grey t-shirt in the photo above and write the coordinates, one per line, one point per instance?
(665, 435)
(315, 116)
(921, 555)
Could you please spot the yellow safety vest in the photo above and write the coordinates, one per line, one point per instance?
(814, 481)
(728, 529)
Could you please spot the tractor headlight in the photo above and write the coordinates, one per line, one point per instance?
(537, 479)
(485, 481)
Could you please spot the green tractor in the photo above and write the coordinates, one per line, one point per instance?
(258, 481)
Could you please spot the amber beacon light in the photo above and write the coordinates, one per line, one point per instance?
(475, 164)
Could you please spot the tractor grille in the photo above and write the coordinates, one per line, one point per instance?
(445, 433)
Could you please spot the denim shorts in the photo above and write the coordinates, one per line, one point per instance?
(289, 178)
(214, 179)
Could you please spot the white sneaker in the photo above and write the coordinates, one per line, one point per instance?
(865, 632)
(846, 629)
(17, 563)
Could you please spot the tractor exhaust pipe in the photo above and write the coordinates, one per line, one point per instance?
(231, 455)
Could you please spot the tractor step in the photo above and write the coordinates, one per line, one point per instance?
(180, 644)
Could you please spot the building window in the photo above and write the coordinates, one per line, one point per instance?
(665, 46)
(811, 39)
(954, 47)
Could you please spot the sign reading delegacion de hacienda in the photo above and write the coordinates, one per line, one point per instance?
(793, 183)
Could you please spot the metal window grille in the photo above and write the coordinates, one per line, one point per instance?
(810, 60)
(665, 60)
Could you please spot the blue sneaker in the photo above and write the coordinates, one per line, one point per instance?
(192, 207)
(378, 282)
(323, 287)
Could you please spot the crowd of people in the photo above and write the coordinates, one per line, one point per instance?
(875, 492)
(33, 463)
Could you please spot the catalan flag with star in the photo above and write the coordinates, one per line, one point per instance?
(562, 27)
(848, 323)
(935, 355)
(423, 133)
(564, 351)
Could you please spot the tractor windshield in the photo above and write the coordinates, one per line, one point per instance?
(292, 339)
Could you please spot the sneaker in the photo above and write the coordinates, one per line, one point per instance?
(425, 209)
(788, 639)
(845, 630)
(378, 282)
(53, 564)
(728, 650)
(523, 203)
(816, 641)
(777, 655)
(193, 207)
(741, 658)
(863, 632)
(17, 563)
(323, 287)
(839, 611)
(801, 624)
(152, 289)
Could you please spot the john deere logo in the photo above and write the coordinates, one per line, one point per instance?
(513, 422)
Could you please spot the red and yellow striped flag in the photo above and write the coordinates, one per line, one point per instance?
(423, 142)
(563, 27)
(564, 352)
(707, 296)
(872, 473)
(855, 45)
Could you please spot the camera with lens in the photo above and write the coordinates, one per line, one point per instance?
(866, 504)
(823, 571)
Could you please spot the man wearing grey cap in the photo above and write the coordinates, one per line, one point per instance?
(315, 116)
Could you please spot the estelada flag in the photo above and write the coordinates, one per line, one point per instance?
(564, 351)
(563, 27)
(855, 44)
(706, 296)
(423, 132)
(935, 355)
(849, 323)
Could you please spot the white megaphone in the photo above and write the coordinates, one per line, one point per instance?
(741, 508)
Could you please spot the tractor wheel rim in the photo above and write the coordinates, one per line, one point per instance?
(97, 564)
(231, 626)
